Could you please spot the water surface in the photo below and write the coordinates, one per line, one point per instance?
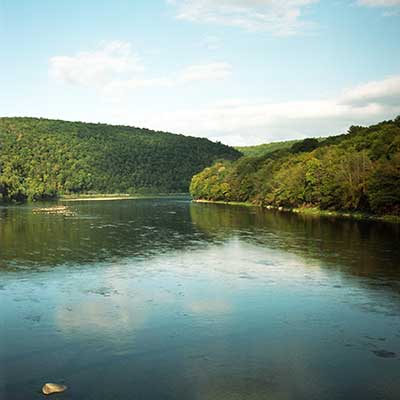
(165, 299)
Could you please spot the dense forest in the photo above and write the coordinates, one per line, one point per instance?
(262, 149)
(356, 171)
(41, 158)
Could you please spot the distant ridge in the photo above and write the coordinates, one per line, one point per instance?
(42, 158)
(262, 149)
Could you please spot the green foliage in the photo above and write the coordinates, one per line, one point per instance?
(41, 158)
(304, 146)
(356, 171)
(263, 149)
(384, 186)
(292, 146)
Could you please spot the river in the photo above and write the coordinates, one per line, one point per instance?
(166, 299)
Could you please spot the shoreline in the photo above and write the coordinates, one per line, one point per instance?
(117, 196)
(312, 211)
(96, 197)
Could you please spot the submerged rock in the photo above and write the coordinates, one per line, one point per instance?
(384, 353)
(50, 388)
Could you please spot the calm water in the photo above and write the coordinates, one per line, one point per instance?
(164, 299)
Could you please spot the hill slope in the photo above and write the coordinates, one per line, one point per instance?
(356, 171)
(262, 149)
(41, 158)
(291, 145)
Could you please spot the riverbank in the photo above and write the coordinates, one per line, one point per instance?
(311, 211)
(97, 197)
(104, 197)
(117, 196)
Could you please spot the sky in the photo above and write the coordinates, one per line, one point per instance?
(242, 72)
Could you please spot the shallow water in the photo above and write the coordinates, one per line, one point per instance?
(165, 299)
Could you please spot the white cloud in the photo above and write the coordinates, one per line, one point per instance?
(116, 70)
(279, 17)
(392, 7)
(98, 67)
(239, 122)
(385, 92)
(379, 3)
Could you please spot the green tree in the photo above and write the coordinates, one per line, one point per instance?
(384, 186)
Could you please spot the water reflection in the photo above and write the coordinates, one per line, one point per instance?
(360, 247)
(173, 300)
(97, 231)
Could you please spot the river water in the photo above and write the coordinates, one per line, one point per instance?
(166, 299)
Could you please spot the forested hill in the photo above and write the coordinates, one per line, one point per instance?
(291, 145)
(262, 149)
(359, 171)
(41, 158)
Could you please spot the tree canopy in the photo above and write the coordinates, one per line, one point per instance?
(42, 158)
(359, 170)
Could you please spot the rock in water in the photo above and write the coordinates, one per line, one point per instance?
(50, 388)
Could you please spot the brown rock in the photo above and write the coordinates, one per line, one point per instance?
(50, 388)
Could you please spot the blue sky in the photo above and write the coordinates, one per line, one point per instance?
(238, 71)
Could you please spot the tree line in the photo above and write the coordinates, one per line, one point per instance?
(356, 171)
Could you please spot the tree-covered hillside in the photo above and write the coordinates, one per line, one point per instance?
(356, 171)
(41, 158)
(291, 145)
(262, 149)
